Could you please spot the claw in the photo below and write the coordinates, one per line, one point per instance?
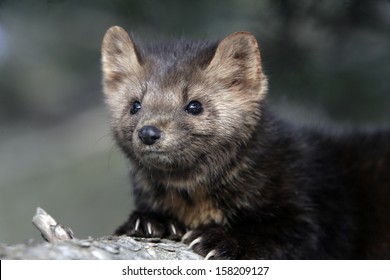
(136, 225)
(211, 254)
(149, 226)
(173, 229)
(186, 235)
(195, 241)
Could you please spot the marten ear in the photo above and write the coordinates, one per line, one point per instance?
(120, 57)
(236, 62)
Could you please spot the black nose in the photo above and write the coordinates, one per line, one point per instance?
(149, 134)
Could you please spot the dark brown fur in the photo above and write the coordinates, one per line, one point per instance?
(241, 182)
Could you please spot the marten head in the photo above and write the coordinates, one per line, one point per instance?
(183, 105)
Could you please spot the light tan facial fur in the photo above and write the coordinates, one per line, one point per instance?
(227, 80)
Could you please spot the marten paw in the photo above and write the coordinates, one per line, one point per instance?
(212, 242)
(149, 225)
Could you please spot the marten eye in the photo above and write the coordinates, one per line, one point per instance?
(194, 108)
(135, 107)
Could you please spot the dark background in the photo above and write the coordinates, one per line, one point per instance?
(328, 63)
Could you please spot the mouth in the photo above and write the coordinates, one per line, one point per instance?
(162, 160)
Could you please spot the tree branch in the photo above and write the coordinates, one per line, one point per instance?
(62, 245)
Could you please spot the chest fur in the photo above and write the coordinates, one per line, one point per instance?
(192, 208)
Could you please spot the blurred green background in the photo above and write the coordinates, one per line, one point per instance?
(327, 61)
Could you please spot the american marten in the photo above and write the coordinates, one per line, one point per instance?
(213, 165)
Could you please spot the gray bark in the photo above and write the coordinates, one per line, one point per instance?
(62, 245)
